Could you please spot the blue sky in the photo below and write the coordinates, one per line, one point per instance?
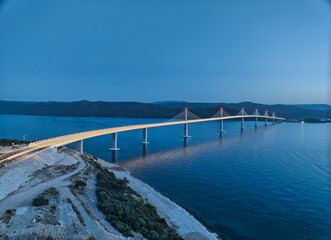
(267, 51)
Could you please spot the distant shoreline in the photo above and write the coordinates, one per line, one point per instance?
(166, 110)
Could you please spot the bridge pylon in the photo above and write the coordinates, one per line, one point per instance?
(220, 113)
(221, 122)
(242, 113)
(185, 127)
(256, 113)
(273, 115)
(266, 119)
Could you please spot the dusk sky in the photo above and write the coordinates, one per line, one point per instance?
(267, 51)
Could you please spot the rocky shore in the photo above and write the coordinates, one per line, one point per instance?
(67, 181)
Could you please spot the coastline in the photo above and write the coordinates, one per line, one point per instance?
(23, 179)
(185, 223)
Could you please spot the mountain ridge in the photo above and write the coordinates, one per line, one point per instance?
(163, 109)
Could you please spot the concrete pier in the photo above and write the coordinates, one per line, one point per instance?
(256, 120)
(185, 131)
(144, 136)
(185, 126)
(79, 146)
(114, 142)
(221, 123)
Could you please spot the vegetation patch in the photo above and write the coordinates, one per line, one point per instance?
(7, 216)
(51, 191)
(127, 211)
(80, 184)
(40, 201)
(79, 215)
(92, 161)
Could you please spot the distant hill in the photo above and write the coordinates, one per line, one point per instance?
(178, 104)
(88, 109)
(156, 110)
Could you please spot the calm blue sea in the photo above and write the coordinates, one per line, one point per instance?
(267, 183)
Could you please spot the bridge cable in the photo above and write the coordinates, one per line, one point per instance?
(241, 112)
(181, 116)
(220, 113)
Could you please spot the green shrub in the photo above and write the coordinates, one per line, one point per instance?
(9, 211)
(80, 183)
(127, 211)
(53, 209)
(153, 235)
(52, 191)
(40, 201)
(124, 229)
(91, 238)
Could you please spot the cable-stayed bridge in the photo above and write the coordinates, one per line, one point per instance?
(186, 116)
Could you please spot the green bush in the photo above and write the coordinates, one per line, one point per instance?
(52, 191)
(127, 211)
(153, 235)
(9, 211)
(40, 201)
(80, 183)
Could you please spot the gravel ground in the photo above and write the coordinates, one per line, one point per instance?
(17, 173)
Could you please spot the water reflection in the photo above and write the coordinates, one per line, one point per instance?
(144, 150)
(113, 156)
(185, 142)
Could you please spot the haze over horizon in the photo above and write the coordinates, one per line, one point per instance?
(270, 52)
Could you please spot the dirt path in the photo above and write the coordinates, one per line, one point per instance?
(24, 196)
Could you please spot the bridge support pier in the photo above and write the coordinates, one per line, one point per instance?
(185, 131)
(242, 124)
(256, 119)
(221, 123)
(145, 136)
(186, 127)
(221, 127)
(273, 121)
(266, 121)
(114, 142)
(79, 146)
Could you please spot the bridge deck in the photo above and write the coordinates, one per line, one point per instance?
(67, 139)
